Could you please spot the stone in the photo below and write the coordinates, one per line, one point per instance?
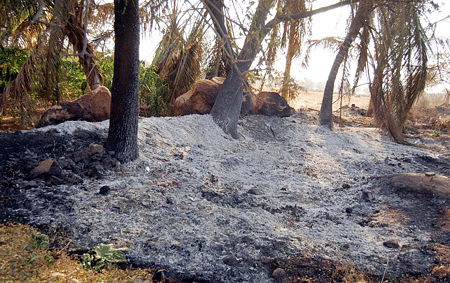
(104, 190)
(199, 100)
(267, 104)
(278, 273)
(392, 244)
(87, 152)
(422, 184)
(95, 106)
(55, 169)
(267, 259)
(42, 168)
(230, 260)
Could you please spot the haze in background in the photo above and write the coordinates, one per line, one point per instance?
(331, 23)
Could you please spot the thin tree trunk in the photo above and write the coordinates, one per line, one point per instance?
(227, 106)
(326, 115)
(286, 77)
(123, 125)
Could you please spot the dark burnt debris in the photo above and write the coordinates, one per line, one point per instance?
(41, 171)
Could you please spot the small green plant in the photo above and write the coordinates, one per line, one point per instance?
(436, 133)
(102, 256)
(40, 241)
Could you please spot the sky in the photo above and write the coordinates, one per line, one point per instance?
(330, 23)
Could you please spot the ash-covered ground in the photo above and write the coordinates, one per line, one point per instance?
(204, 206)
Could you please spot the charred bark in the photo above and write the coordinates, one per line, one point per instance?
(123, 125)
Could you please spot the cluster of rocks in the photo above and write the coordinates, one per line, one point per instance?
(46, 159)
(200, 100)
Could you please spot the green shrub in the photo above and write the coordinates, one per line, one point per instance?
(102, 256)
(154, 91)
(40, 241)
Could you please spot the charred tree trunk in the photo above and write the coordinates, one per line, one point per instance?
(227, 106)
(326, 116)
(123, 125)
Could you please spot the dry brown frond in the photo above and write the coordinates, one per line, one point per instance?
(401, 71)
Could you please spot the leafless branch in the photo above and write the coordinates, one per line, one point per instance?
(38, 14)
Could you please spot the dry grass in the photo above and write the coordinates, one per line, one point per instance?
(431, 113)
(21, 262)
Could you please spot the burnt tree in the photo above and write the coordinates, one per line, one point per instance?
(226, 109)
(123, 125)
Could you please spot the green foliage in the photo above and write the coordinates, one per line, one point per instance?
(11, 60)
(154, 91)
(106, 68)
(40, 241)
(102, 256)
(74, 82)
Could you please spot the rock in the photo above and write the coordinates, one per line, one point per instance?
(74, 179)
(31, 184)
(55, 169)
(95, 106)
(230, 260)
(267, 259)
(278, 273)
(87, 152)
(267, 104)
(422, 184)
(104, 190)
(366, 196)
(199, 100)
(392, 244)
(43, 168)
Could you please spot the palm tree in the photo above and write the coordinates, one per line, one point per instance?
(401, 65)
(226, 109)
(123, 125)
(400, 61)
(294, 33)
(358, 21)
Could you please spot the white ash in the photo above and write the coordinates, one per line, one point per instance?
(287, 187)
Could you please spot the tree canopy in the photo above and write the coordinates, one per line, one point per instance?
(237, 33)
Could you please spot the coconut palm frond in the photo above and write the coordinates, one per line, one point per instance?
(401, 72)
(55, 45)
(169, 49)
(215, 65)
(151, 11)
(17, 92)
(189, 67)
(331, 43)
(18, 29)
(273, 45)
(297, 31)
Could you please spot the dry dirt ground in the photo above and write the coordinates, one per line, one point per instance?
(289, 202)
